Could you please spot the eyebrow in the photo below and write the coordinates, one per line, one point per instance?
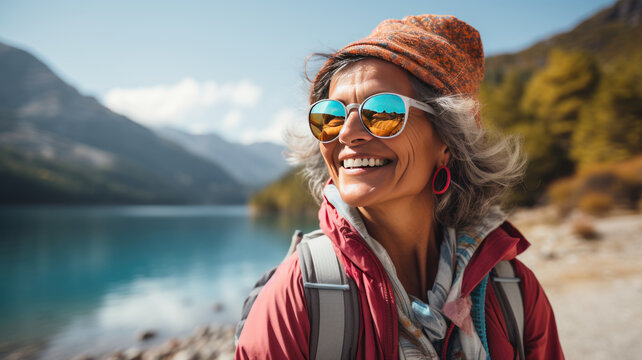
(365, 97)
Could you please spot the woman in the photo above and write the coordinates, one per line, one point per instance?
(409, 183)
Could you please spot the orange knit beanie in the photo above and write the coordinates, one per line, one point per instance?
(442, 51)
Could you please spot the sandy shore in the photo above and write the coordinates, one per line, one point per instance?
(595, 287)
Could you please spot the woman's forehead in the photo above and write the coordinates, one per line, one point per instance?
(367, 77)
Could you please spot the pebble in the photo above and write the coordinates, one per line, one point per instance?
(146, 335)
(206, 343)
(83, 357)
(186, 355)
(133, 354)
(116, 356)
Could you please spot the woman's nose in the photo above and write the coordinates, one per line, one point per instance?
(353, 132)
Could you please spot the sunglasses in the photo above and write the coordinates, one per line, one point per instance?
(383, 115)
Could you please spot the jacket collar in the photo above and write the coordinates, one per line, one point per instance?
(503, 243)
(338, 218)
(494, 240)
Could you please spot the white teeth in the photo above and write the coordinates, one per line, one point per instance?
(355, 163)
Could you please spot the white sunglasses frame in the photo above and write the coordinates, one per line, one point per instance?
(408, 102)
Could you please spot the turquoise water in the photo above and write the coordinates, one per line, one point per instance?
(80, 278)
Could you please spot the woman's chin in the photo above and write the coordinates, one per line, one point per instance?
(358, 195)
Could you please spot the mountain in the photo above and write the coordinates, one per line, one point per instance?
(610, 34)
(57, 145)
(254, 165)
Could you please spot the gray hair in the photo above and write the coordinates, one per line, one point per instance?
(483, 165)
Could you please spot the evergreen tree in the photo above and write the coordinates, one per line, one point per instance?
(549, 110)
(501, 103)
(555, 95)
(610, 126)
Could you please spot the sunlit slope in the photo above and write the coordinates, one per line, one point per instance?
(288, 195)
(610, 34)
(575, 99)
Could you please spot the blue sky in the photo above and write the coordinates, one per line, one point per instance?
(235, 67)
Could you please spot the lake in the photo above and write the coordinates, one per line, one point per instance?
(74, 278)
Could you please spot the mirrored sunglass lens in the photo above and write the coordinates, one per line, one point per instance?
(326, 119)
(384, 114)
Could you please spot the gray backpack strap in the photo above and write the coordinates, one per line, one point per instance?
(509, 295)
(332, 302)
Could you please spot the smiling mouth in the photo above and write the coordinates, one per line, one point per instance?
(364, 163)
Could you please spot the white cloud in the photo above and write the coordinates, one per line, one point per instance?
(283, 119)
(197, 127)
(182, 104)
(207, 107)
(232, 119)
(244, 93)
(228, 124)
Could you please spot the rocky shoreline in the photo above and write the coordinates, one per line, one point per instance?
(207, 343)
(213, 342)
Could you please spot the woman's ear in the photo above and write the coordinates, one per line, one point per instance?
(444, 155)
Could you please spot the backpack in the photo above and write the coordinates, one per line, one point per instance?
(333, 303)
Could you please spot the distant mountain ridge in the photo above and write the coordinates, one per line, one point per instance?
(69, 147)
(254, 165)
(609, 34)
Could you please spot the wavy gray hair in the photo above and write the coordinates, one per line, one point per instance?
(483, 165)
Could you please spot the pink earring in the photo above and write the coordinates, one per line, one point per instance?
(447, 182)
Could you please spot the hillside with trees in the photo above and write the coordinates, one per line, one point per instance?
(576, 98)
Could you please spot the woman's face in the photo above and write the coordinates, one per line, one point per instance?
(409, 159)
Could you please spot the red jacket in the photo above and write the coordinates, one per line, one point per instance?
(278, 326)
